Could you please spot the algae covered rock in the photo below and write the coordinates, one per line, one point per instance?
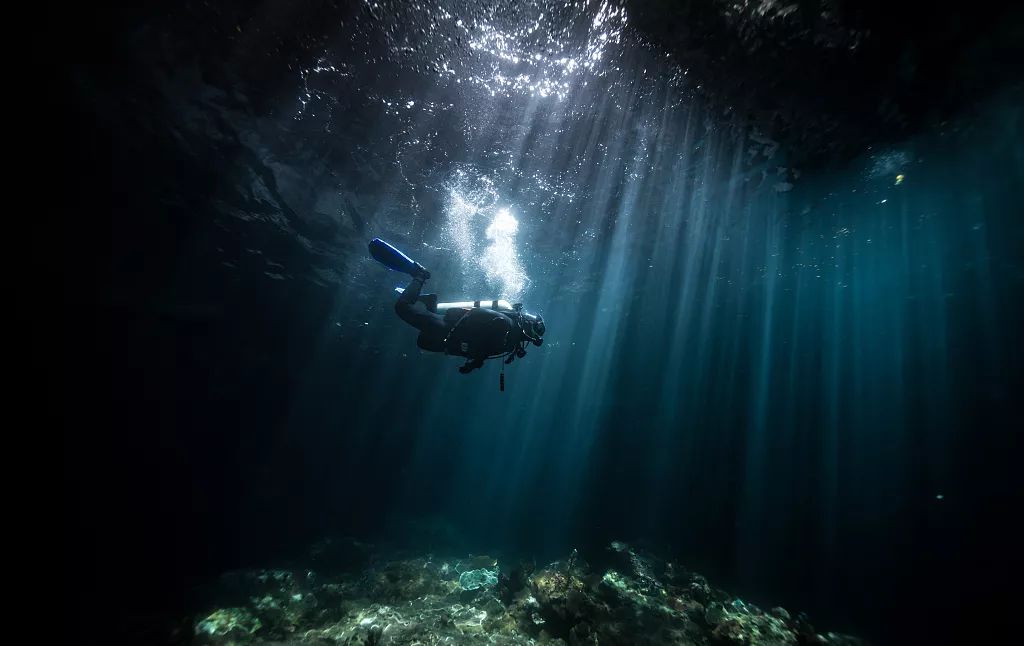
(636, 600)
(740, 623)
(482, 578)
(227, 625)
(408, 579)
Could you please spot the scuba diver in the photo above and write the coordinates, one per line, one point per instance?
(476, 330)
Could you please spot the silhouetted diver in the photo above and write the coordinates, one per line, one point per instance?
(476, 330)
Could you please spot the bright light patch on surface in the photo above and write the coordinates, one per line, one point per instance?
(317, 84)
(536, 49)
(547, 60)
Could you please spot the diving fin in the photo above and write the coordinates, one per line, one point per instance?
(392, 258)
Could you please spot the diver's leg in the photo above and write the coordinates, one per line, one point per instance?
(412, 291)
(418, 317)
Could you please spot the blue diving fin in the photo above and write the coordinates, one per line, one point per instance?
(392, 258)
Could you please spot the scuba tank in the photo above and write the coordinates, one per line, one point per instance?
(430, 300)
(499, 305)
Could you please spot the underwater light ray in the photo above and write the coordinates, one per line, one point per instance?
(595, 375)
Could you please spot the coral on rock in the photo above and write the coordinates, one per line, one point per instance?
(639, 600)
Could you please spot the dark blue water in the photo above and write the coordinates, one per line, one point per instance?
(800, 381)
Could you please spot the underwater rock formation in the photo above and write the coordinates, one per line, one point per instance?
(639, 599)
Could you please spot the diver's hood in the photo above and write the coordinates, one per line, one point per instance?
(532, 325)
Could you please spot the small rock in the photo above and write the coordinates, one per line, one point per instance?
(715, 614)
(482, 578)
(781, 613)
(227, 625)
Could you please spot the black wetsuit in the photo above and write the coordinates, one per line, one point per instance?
(475, 333)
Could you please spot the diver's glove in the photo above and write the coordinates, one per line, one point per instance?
(471, 365)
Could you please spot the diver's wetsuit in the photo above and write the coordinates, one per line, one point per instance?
(475, 333)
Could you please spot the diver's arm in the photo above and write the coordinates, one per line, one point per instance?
(471, 365)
